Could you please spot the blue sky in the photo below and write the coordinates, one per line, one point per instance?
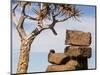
(46, 40)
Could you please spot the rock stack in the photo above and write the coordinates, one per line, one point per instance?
(76, 53)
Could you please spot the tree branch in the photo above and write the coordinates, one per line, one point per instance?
(19, 23)
(57, 13)
(51, 26)
(31, 18)
(56, 21)
(20, 28)
(38, 30)
(35, 32)
(14, 15)
(64, 19)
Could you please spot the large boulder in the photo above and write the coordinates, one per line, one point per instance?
(74, 37)
(70, 65)
(78, 51)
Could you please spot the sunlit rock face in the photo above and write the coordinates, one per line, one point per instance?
(75, 51)
(80, 38)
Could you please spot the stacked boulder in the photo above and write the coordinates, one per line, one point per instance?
(76, 53)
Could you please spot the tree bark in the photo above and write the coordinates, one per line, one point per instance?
(24, 56)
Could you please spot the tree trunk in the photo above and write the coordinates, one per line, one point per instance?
(24, 56)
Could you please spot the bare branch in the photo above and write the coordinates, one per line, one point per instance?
(35, 32)
(64, 19)
(54, 31)
(19, 23)
(38, 30)
(51, 26)
(20, 28)
(31, 18)
(14, 15)
(57, 13)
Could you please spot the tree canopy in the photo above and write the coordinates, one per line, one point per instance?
(51, 12)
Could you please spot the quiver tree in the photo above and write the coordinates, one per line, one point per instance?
(54, 13)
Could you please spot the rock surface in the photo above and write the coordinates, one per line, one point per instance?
(74, 37)
(57, 58)
(71, 65)
(75, 51)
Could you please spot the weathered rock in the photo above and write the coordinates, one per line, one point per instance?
(57, 58)
(71, 65)
(74, 37)
(75, 51)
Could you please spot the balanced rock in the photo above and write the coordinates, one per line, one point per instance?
(74, 37)
(75, 51)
